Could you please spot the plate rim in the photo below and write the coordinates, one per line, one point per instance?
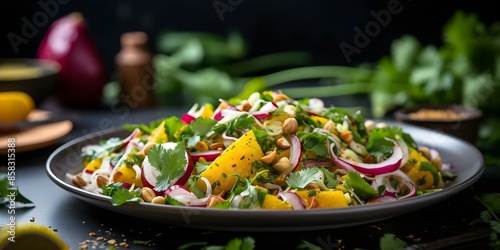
(409, 205)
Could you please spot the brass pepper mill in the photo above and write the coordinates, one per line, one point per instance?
(136, 73)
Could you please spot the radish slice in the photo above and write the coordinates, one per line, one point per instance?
(128, 139)
(187, 118)
(150, 173)
(209, 155)
(293, 199)
(391, 164)
(186, 197)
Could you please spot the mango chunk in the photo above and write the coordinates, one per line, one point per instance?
(237, 159)
(421, 171)
(158, 135)
(273, 202)
(325, 199)
(127, 175)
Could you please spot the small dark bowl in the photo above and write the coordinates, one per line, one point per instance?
(38, 79)
(465, 127)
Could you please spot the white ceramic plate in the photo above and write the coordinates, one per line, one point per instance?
(466, 161)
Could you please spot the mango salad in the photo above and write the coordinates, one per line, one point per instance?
(268, 151)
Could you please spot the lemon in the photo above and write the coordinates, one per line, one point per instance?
(15, 106)
(30, 236)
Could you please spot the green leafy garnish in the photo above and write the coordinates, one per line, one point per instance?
(391, 242)
(314, 142)
(172, 127)
(145, 128)
(247, 243)
(120, 195)
(170, 162)
(360, 186)
(304, 177)
(9, 192)
(490, 216)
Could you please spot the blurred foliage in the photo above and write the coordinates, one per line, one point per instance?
(198, 67)
(195, 67)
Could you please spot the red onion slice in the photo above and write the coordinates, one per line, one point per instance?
(209, 155)
(295, 154)
(293, 199)
(269, 107)
(383, 179)
(391, 164)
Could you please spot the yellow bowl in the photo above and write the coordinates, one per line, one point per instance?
(35, 77)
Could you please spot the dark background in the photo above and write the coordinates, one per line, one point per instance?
(318, 27)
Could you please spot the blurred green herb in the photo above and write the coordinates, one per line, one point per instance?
(491, 201)
(9, 192)
(197, 67)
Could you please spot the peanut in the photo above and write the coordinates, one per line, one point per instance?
(101, 180)
(245, 105)
(269, 158)
(147, 194)
(217, 146)
(346, 136)
(79, 181)
(290, 126)
(282, 164)
(158, 200)
(201, 146)
(283, 143)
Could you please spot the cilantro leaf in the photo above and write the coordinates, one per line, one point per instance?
(314, 142)
(391, 242)
(170, 162)
(330, 178)
(200, 128)
(6, 190)
(253, 197)
(147, 129)
(104, 147)
(172, 127)
(120, 195)
(360, 186)
(246, 243)
(304, 177)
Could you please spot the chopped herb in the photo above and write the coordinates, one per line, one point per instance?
(391, 242)
(360, 186)
(170, 162)
(9, 192)
(304, 177)
(120, 195)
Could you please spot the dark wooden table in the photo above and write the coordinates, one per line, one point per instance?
(78, 222)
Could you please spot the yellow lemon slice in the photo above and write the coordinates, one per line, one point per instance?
(30, 236)
(15, 106)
